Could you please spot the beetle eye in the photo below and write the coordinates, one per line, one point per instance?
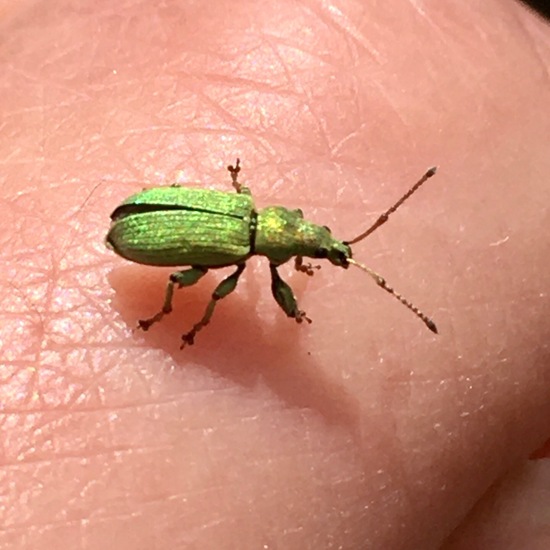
(321, 253)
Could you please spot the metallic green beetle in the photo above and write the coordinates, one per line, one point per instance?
(205, 229)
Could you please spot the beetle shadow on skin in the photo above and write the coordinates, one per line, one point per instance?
(236, 345)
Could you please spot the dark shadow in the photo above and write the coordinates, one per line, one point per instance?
(236, 345)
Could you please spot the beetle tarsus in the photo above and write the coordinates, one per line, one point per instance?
(145, 324)
(234, 171)
(301, 317)
(188, 339)
(308, 269)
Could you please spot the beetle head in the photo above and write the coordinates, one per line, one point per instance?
(338, 253)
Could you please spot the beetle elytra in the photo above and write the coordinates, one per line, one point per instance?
(206, 229)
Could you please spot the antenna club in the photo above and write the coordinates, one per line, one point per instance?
(431, 325)
(431, 172)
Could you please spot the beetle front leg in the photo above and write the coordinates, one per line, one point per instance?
(285, 297)
(304, 268)
(227, 286)
(180, 278)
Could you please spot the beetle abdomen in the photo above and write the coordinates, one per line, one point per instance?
(202, 227)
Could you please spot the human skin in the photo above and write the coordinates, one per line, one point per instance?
(361, 430)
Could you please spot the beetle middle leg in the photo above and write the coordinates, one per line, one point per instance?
(308, 268)
(227, 286)
(180, 279)
(285, 297)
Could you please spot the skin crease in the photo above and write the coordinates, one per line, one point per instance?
(362, 430)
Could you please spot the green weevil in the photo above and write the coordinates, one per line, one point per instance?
(207, 229)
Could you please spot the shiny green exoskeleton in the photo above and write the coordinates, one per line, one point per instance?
(205, 229)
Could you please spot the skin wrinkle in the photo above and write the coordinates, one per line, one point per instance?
(416, 4)
(322, 388)
(332, 16)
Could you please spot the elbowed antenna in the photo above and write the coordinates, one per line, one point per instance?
(383, 218)
(381, 282)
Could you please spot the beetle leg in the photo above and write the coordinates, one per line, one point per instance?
(180, 278)
(285, 297)
(222, 290)
(304, 268)
(234, 171)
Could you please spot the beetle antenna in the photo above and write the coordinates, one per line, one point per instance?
(381, 282)
(383, 218)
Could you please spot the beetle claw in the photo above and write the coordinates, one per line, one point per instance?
(145, 325)
(309, 269)
(188, 339)
(301, 317)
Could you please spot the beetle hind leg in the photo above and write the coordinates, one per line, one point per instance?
(180, 279)
(285, 297)
(227, 286)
